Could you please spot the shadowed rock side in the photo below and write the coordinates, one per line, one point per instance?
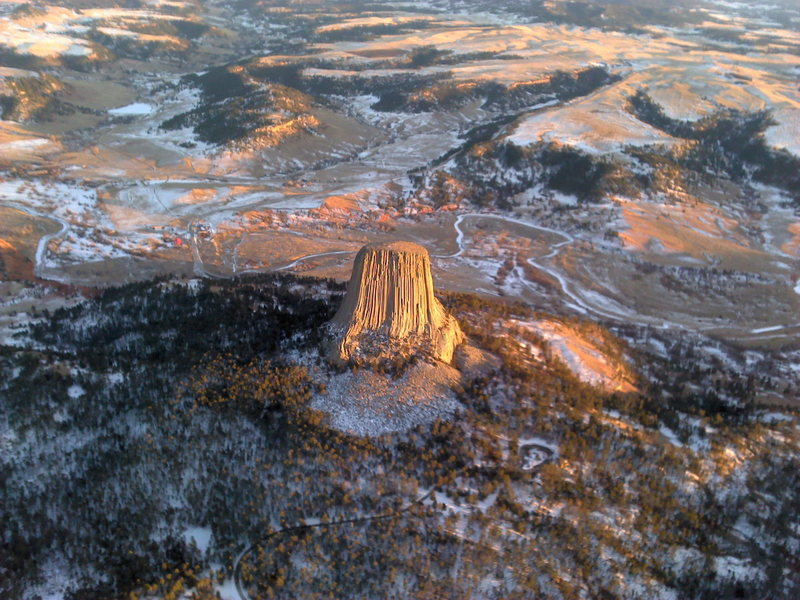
(390, 312)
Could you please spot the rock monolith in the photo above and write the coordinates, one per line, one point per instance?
(390, 312)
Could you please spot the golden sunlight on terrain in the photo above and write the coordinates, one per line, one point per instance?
(19, 235)
(792, 247)
(592, 357)
(595, 124)
(372, 21)
(696, 229)
(318, 173)
(438, 299)
(19, 144)
(50, 32)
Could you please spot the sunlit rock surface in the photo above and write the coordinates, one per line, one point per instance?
(390, 312)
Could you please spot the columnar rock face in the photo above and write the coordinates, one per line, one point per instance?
(390, 311)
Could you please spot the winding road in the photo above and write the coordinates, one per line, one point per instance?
(40, 261)
(237, 564)
(313, 256)
(569, 289)
(576, 301)
(599, 306)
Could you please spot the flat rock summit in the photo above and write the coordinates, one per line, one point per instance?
(390, 312)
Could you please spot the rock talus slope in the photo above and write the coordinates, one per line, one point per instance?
(390, 311)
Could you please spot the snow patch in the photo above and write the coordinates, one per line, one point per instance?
(75, 391)
(737, 569)
(670, 435)
(200, 535)
(585, 359)
(596, 126)
(135, 109)
(768, 329)
(368, 404)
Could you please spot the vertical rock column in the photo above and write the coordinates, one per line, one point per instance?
(390, 310)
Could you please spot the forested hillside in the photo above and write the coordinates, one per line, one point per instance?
(171, 407)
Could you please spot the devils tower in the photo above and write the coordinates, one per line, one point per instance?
(390, 312)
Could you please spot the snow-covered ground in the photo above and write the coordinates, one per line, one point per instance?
(368, 404)
(62, 32)
(584, 357)
(596, 125)
(200, 536)
(135, 109)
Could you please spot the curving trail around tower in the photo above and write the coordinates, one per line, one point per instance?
(547, 454)
(237, 563)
